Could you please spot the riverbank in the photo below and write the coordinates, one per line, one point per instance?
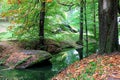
(94, 67)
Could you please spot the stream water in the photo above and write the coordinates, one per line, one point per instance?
(41, 73)
(44, 72)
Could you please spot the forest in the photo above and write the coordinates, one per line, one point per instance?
(59, 40)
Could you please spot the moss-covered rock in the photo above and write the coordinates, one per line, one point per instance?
(6, 49)
(26, 58)
(50, 45)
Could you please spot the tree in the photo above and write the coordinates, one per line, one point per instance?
(119, 7)
(108, 28)
(86, 27)
(94, 19)
(41, 24)
(80, 42)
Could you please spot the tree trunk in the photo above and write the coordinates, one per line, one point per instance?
(80, 42)
(108, 28)
(94, 19)
(41, 25)
(95, 46)
(86, 27)
(118, 6)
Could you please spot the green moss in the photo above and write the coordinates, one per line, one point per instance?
(22, 61)
(40, 58)
(3, 59)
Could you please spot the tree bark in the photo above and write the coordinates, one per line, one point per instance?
(94, 19)
(108, 28)
(118, 6)
(86, 28)
(80, 42)
(41, 25)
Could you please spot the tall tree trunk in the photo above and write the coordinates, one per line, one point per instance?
(94, 19)
(108, 28)
(86, 27)
(41, 25)
(94, 26)
(118, 6)
(80, 42)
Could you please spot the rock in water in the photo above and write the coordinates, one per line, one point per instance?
(26, 58)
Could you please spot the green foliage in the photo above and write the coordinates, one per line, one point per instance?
(25, 25)
(25, 22)
(5, 35)
(58, 59)
(68, 37)
(63, 59)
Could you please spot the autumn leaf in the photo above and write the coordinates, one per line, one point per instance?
(10, 27)
(14, 1)
(48, 1)
(104, 68)
(19, 1)
(9, 2)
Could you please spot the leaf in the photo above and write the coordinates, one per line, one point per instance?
(48, 1)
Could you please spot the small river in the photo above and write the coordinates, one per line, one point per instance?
(43, 71)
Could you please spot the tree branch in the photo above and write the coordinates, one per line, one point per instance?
(69, 5)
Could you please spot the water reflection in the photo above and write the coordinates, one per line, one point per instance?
(59, 62)
(27, 74)
(63, 59)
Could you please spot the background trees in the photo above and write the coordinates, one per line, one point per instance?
(62, 22)
(71, 23)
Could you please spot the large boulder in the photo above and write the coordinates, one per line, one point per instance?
(50, 45)
(26, 58)
(6, 49)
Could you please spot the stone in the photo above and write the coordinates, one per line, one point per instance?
(26, 58)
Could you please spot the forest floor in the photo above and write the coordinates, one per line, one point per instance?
(94, 67)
